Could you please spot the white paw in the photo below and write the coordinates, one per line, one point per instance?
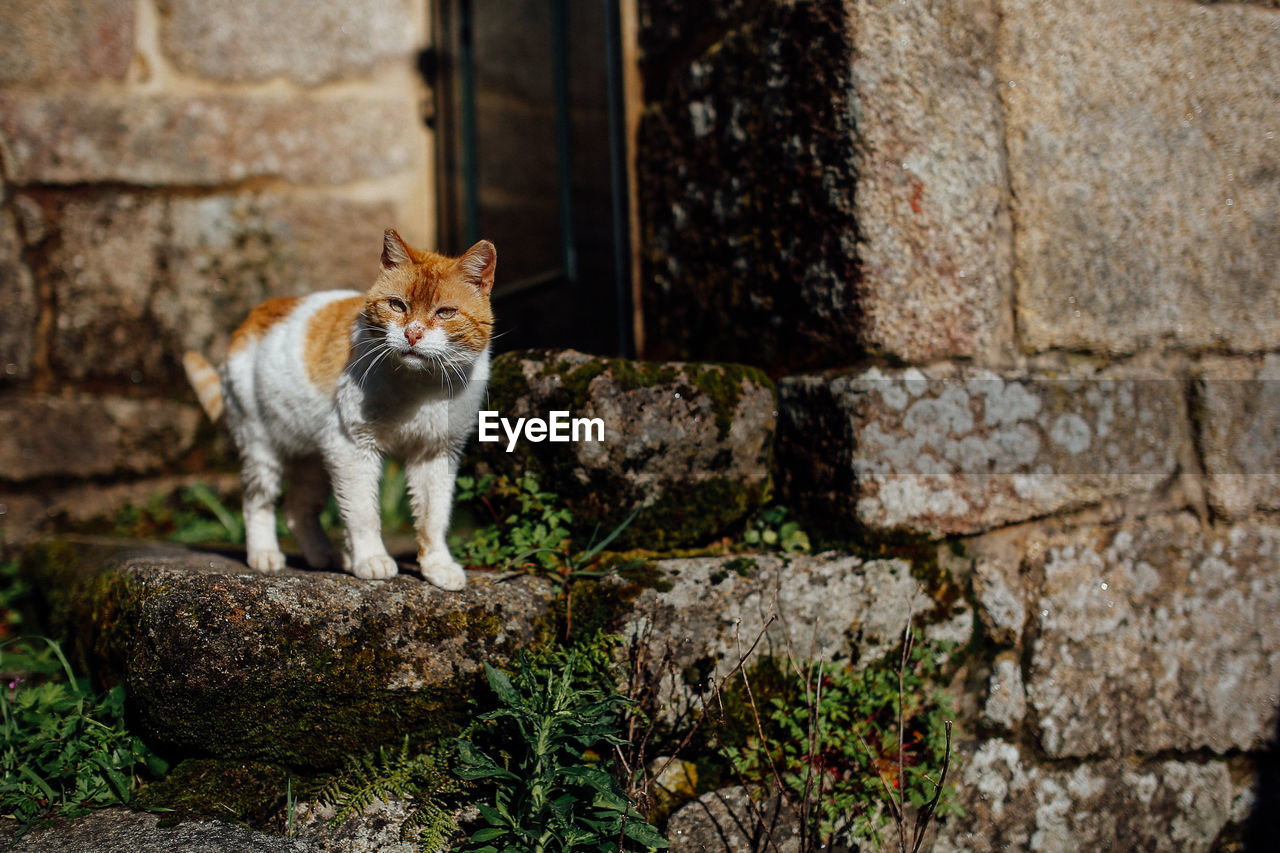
(376, 568)
(266, 561)
(441, 570)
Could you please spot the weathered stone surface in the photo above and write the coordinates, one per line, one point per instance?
(56, 40)
(960, 452)
(167, 140)
(1238, 411)
(1146, 195)
(689, 444)
(1012, 804)
(141, 279)
(83, 436)
(297, 668)
(1157, 634)
(933, 231)
(746, 175)
(827, 606)
(375, 830)
(121, 831)
(18, 296)
(308, 42)
(724, 821)
(1006, 694)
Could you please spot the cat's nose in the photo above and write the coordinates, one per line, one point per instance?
(414, 332)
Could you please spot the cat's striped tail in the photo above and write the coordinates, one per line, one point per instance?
(205, 382)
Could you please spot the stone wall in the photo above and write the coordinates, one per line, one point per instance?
(166, 165)
(1016, 265)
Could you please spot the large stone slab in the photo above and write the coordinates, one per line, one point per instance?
(297, 668)
(1238, 412)
(1154, 635)
(955, 451)
(18, 295)
(930, 199)
(1142, 144)
(87, 436)
(64, 40)
(204, 140)
(689, 445)
(140, 279)
(1011, 803)
(308, 42)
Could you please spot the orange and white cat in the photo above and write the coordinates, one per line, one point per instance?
(317, 389)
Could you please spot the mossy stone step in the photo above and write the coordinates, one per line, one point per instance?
(297, 668)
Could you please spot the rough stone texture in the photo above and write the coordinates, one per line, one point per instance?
(1006, 695)
(18, 296)
(167, 140)
(746, 175)
(960, 452)
(930, 198)
(690, 444)
(84, 436)
(140, 279)
(308, 42)
(1142, 144)
(828, 606)
(121, 831)
(375, 830)
(56, 40)
(1157, 634)
(1012, 804)
(724, 822)
(298, 668)
(1238, 412)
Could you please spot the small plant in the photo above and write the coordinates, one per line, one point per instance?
(520, 523)
(850, 749)
(420, 779)
(771, 529)
(66, 750)
(551, 788)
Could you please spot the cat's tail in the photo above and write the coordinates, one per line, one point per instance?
(205, 382)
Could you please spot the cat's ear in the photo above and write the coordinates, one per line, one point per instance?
(394, 251)
(478, 265)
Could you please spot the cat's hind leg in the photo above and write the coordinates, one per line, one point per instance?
(303, 499)
(261, 472)
(431, 483)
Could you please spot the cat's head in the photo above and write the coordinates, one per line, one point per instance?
(432, 309)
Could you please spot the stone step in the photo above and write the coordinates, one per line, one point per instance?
(297, 668)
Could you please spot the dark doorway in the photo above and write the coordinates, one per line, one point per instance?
(531, 155)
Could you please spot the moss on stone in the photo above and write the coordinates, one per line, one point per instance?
(722, 384)
(246, 792)
(695, 514)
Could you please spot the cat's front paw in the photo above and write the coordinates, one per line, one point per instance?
(376, 568)
(266, 561)
(443, 571)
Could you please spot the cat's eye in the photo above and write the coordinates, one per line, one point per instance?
(397, 305)
(446, 313)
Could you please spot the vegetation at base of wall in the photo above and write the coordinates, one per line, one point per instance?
(421, 779)
(66, 749)
(845, 742)
(547, 762)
